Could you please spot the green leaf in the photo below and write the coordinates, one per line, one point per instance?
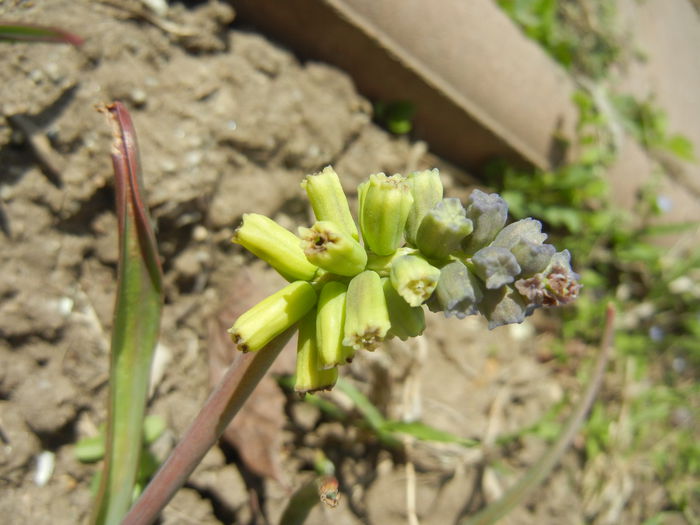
(300, 504)
(425, 432)
(670, 229)
(36, 33)
(363, 404)
(153, 428)
(397, 115)
(135, 327)
(681, 146)
(90, 449)
(560, 216)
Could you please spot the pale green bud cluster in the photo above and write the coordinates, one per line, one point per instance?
(351, 290)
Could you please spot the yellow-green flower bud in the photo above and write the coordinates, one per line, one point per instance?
(414, 278)
(426, 189)
(406, 321)
(326, 245)
(384, 206)
(328, 200)
(272, 316)
(309, 377)
(382, 263)
(275, 245)
(366, 315)
(443, 228)
(330, 321)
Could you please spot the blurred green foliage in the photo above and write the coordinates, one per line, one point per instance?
(580, 35)
(92, 449)
(389, 432)
(396, 116)
(653, 411)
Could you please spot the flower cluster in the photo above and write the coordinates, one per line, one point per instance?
(417, 248)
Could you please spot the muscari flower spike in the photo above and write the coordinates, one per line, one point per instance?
(417, 248)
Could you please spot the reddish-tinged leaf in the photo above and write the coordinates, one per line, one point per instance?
(139, 299)
(20, 32)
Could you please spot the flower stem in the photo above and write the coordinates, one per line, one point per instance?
(223, 404)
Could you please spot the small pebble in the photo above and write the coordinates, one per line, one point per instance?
(138, 97)
(193, 158)
(45, 463)
(65, 306)
(168, 166)
(200, 233)
(53, 72)
(159, 7)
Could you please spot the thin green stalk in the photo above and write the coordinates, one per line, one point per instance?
(223, 404)
(540, 470)
(135, 328)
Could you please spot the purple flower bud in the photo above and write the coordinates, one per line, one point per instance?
(503, 306)
(526, 229)
(488, 212)
(495, 266)
(556, 284)
(457, 293)
(531, 257)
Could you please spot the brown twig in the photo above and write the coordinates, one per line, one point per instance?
(45, 155)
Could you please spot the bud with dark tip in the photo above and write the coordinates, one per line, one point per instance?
(414, 278)
(275, 245)
(327, 246)
(366, 315)
(272, 316)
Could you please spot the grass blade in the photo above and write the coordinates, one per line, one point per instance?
(371, 414)
(14, 32)
(423, 432)
(300, 504)
(135, 327)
